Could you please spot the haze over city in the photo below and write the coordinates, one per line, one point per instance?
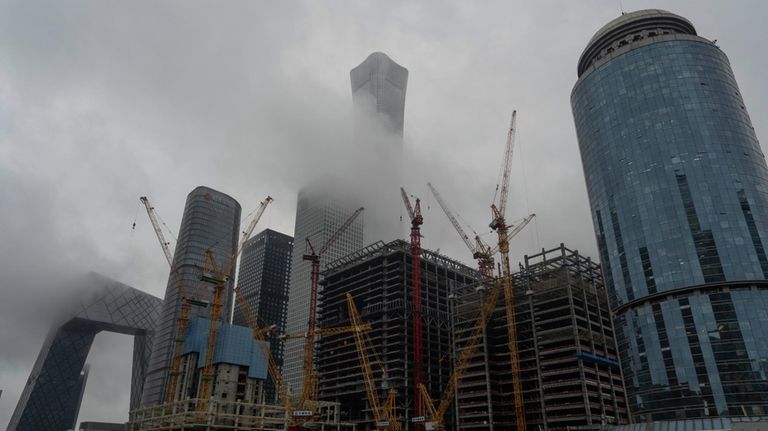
(103, 102)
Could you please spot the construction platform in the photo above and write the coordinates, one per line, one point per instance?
(231, 415)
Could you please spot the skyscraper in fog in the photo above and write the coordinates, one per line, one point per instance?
(378, 93)
(211, 220)
(263, 280)
(378, 86)
(321, 210)
(678, 188)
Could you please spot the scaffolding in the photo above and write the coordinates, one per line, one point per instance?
(569, 364)
(229, 415)
(379, 279)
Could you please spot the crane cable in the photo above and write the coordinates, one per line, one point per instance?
(525, 190)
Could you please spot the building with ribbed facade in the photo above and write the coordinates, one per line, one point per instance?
(211, 220)
(321, 210)
(678, 189)
(378, 87)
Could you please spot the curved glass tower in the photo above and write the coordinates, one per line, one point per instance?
(678, 188)
(211, 220)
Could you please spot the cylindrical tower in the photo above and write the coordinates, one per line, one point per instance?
(678, 188)
(211, 220)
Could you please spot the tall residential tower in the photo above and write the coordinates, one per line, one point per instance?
(678, 188)
(211, 220)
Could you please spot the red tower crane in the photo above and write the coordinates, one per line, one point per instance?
(414, 213)
(312, 256)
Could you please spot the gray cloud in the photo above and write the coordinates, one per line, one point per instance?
(102, 102)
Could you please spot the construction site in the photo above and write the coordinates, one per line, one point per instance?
(398, 338)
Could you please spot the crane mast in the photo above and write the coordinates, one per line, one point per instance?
(309, 342)
(499, 224)
(218, 277)
(486, 312)
(185, 305)
(414, 213)
(384, 415)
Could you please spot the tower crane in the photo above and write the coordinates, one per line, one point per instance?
(437, 414)
(414, 213)
(499, 224)
(481, 251)
(158, 232)
(186, 301)
(484, 255)
(385, 416)
(310, 380)
(217, 275)
(261, 334)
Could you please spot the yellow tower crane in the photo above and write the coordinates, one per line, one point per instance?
(499, 224)
(217, 275)
(384, 415)
(186, 301)
(481, 251)
(261, 334)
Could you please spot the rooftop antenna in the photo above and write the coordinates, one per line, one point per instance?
(621, 7)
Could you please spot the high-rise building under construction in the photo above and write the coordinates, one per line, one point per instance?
(678, 189)
(569, 365)
(211, 220)
(379, 277)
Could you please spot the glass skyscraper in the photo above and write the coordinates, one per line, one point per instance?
(319, 213)
(378, 86)
(211, 220)
(263, 279)
(378, 92)
(678, 188)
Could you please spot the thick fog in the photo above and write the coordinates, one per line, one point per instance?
(104, 101)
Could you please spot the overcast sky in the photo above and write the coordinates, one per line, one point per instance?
(104, 101)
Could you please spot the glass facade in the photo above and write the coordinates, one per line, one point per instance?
(263, 280)
(51, 398)
(678, 188)
(319, 213)
(379, 85)
(211, 220)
